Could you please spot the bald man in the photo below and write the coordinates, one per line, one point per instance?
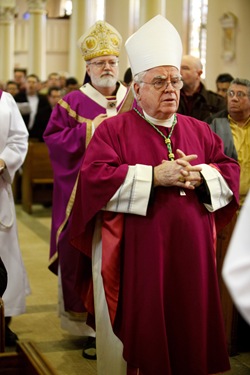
(195, 99)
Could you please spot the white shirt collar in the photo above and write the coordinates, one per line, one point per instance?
(167, 123)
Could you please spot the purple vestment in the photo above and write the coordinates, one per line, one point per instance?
(168, 313)
(66, 139)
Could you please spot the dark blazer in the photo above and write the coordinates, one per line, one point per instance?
(41, 121)
(21, 97)
(202, 104)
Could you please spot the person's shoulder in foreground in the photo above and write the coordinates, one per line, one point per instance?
(236, 267)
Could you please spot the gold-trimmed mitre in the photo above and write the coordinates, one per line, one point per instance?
(101, 39)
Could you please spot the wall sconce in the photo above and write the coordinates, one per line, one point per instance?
(228, 23)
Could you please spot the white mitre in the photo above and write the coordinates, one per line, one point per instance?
(156, 43)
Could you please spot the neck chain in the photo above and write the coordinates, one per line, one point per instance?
(166, 139)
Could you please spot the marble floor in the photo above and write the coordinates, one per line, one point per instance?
(41, 323)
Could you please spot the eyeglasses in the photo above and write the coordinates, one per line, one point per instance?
(162, 84)
(239, 94)
(102, 64)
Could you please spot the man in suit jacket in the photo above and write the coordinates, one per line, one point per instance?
(30, 104)
(43, 113)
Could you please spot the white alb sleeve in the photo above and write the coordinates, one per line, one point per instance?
(220, 193)
(133, 195)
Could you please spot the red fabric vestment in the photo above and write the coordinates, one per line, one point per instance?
(168, 314)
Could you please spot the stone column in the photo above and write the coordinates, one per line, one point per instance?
(149, 9)
(7, 11)
(37, 38)
(120, 15)
(83, 16)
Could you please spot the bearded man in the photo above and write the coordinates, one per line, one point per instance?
(72, 123)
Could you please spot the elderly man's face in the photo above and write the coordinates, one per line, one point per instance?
(191, 71)
(103, 71)
(160, 103)
(238, 101)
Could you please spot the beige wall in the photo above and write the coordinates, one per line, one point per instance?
(60, 43)
(57, 45)
(240, 66)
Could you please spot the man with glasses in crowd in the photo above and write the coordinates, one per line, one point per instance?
(71, 126)
(233, 126)
(157, 185)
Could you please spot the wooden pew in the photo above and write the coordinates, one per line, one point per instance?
(27, 360)
(37, 176)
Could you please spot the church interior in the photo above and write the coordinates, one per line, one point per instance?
(53, 48)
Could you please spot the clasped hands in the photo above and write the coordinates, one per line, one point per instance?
(178, 172)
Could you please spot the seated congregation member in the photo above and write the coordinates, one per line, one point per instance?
(44, 113)
(195, 99)
(233, 127)
(13, 149)
(71, 84)
(19, 76)
(67, 135)
(222, 84)
(53, 80)
(153, 188)
(30, 103)
(11, 87)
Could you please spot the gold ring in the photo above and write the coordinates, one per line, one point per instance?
(181, 179)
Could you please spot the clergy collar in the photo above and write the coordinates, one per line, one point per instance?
(97, 97)
(167, 123)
